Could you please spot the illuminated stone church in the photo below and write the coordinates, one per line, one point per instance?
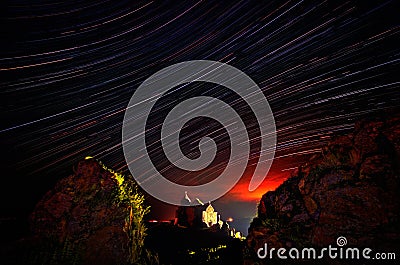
(196, 216)
(210, 216)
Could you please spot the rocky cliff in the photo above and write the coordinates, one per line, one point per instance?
(94, 216)
(350, 189)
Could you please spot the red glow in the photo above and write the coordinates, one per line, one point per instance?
(278, 174)
(241, 192)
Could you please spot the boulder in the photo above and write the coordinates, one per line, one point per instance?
(84, 219)
(350, 189)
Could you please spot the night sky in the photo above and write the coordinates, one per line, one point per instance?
(68, 70)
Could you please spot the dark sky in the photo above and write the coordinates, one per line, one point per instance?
(68, 70)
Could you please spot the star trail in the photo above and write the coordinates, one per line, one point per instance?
(68, 70)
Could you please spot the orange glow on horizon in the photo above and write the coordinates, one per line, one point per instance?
(281, 170)
(241, 191)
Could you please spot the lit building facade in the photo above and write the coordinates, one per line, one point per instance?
(210, 216)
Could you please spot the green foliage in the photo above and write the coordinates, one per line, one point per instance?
(134, 222)
(129, 196)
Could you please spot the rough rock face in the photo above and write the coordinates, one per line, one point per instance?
(81, 211)
(351, 189)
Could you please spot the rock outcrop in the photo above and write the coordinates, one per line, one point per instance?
(93, 216)
(350, 189)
